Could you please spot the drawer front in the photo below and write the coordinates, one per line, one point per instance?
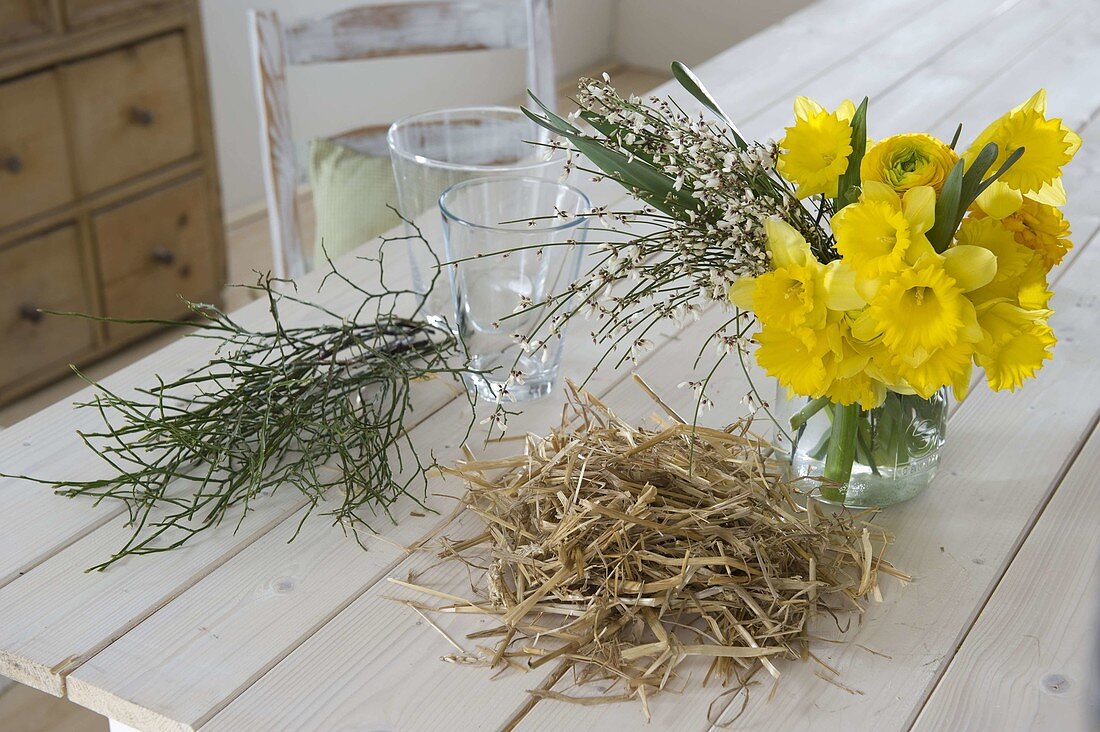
(34, 164)
(131, 111)
(23, 19)
(43, 272)
(152, 251)
(86, 12)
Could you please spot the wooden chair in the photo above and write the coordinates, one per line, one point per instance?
(367, 32)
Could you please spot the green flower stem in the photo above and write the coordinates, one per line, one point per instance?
(800, 418)
(842, 451)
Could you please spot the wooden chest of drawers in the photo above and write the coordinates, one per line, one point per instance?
(109, 200)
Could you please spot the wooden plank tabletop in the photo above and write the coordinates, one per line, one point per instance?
(245, 631)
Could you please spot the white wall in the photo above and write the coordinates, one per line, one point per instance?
(328, 99)
(654, 33)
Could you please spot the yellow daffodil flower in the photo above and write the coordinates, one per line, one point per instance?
(949, 366)
(878, 233)
(1021, 276)
(1048, 145)
(1038, 226)
(791, 298)
(924, 326)
(1016, 342)
(795, 295)
(814, 151)
(852, 382)
(907, 161)
(801, 368)
(919, 310)
(860, 388)
(834, 365)
(1033, 289)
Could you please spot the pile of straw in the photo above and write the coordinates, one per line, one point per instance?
(620, 552)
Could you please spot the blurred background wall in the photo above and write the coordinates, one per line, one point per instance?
(653, 33)
(589, 34)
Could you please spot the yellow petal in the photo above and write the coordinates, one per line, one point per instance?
(846, 110)
(970, 266)
(971, 330)
(920, 249)
(864, 326)
(901, 387)
(1052, 193)
(961, 387)
(1000, 200)
(919, 205)
(785, 244)
(867, 287)
(840, 287)
(1073, 141)
(1037, 102)
(805, 107)
(874, 190)
(741, 292)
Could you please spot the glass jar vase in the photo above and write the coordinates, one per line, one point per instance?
(863, 458)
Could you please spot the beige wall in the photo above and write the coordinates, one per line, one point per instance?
(333, 98)
(654, 33)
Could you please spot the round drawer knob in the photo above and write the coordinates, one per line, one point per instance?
(30, 313)
(13, 163)
(142, 116)
(163, 255)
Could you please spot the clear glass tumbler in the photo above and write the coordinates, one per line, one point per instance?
(432, 151)
(512, 244)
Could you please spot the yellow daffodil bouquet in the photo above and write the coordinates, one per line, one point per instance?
(868, 276)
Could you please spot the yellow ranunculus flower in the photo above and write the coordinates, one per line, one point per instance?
(1038, 226)
(1048, 145)
(1016, 342)
(1043, 229)
(814, 151)
(908, 160)
(881, 231)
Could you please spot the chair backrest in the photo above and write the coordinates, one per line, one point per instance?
(367, 32)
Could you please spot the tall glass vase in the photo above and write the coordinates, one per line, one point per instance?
(863, 458)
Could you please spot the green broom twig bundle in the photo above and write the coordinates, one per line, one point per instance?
(322, 409)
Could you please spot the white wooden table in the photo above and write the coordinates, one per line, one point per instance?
(247, 632)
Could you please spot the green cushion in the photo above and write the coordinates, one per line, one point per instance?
(350, 196)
